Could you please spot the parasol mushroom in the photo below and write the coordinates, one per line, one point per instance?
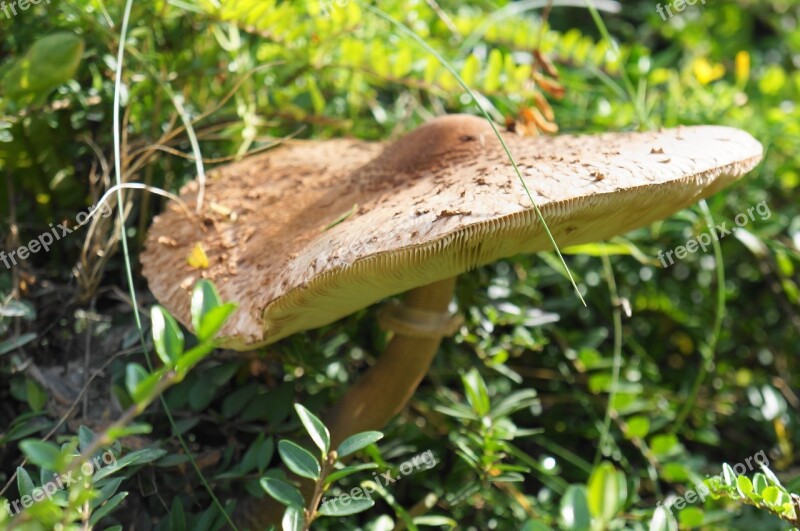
(315, 230)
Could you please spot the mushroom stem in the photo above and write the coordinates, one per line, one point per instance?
(387, 386)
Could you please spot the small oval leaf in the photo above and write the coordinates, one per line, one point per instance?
(167, 336)
(315, 428)
(358, 441)
(134, 375)
(604, 494)
(293, 519)
(299, 460)
(283, 492)
(575, 509)
(204, 299)
(41, 453)
(345, 505)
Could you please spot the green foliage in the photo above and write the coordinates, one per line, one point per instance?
(325, 471)
(763, 491)
(358, 442)
(515, 403)
(50, 62)
(93, 461)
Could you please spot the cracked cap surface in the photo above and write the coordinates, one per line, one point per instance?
(312, 231)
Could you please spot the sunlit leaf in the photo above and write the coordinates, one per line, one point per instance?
(299, 460)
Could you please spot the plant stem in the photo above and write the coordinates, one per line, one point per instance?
(319, 489)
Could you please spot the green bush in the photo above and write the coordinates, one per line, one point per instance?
(542, 413)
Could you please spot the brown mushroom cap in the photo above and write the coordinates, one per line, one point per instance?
(438, 202)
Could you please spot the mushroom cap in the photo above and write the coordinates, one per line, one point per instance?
(314, 230)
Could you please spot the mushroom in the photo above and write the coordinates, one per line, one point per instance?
(315, 230)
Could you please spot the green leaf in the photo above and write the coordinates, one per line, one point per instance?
(293, 519)
(493, 71)
(204, 299)
(638, 427)
(13, 344)
(44, 454)
(315, 428)
(604, 493)
(213, 321)
(348, 471)
(34, 395)
(477, 394)
(744, 486)
(664, 445)
(574, 509)
(144, 389)
(141, 457)
(358, 441)
(265, 452)
(759, 483)
(139, 428)
(402, 62)
(530, 525)
(691, 517)
(513, 402)
(85, 437)
(177, 516)
(21, 309)
(107, 508)
(249, 461)
(283, 492)
(728, 475)
(771, 495)
(772, 80)
(135, 374)
(51, 61)
(25, 484)
(345, 505)
(440, 521)
(317, 99)
(508, 477)
(192, 357)
(167, 336)
(299, 460)
(662, 521)
(137, 458)
(470, 70)
(107, 489)
(618, 247)
(771, 476)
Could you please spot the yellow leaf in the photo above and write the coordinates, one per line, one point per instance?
(705, 72)
(742, 67)
(494, 71)
(470, 70)
(197, 258)
(616, 247)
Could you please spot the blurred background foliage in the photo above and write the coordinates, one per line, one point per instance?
(251, 72)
